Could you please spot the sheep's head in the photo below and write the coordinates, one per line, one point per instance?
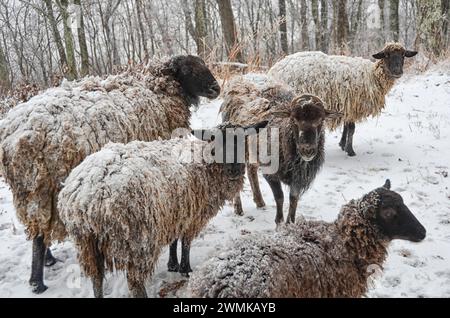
(394, 219)
(393, 56)
(227, 146)
(193, 75)
(308, 114)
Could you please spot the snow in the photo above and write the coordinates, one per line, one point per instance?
(408, 143)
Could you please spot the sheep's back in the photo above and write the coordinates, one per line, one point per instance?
(345, 84)
(44, 138)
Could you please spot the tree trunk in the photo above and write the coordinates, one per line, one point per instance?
(324, 38)
(317, 25)
(381, 4)
(283, 26)
(393, 16)
(139, 10)
(445, 10)
(82, 42)
(342, 26)
(201, 28)
(304, 29)
(68, 40)
(5, 83)
(232, 46)
(429, 27)
(57, 37)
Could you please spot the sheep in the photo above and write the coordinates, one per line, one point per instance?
(300, 122)
(124, 204)
(42, 140)
(312, 259)
(354, 86)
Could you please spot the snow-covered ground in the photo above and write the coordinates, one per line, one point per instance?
(409, 143)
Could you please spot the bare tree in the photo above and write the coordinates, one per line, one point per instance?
(304, 25)
(283, 26)
(393, 19)
(229, 30)
(341, 20)
(68, 40)
(5, 83)
(324, 39)
(82, 41)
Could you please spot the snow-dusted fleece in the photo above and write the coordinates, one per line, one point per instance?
(43, 139)
(307, 259)
(133, 200)
(351, 85)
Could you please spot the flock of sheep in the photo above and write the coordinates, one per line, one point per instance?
(93, 161)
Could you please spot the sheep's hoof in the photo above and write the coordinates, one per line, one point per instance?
(50, 261)
(260, 205)
(239, 211)
(173, 268)
(342, 145)
(351, 153)
(38, 287)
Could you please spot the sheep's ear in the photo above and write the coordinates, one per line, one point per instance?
(329, 114)
(379, 56)
(254, 129)
(410, 53)
(281, 113)
(387, 185)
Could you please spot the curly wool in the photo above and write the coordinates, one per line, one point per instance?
(311, 259)
(351, 85)
(133, 200)
(43, 139)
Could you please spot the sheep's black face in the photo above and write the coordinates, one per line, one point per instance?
(395, 220)
(308, 115)
(394, 59)
(194, 76)
(227, 146)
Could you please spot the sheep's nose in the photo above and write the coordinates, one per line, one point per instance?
(307, 151)
(215, 89)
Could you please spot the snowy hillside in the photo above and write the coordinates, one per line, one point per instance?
(409, 143)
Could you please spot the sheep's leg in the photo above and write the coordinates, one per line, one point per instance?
(349, 144)
(293, 202)
(173, 265)
(50, 260)
(185, 265)
(97, 280)
(137, 288)
(275, 185)
(252, 172)
(343, 141)
(238, 210)
(37, 266)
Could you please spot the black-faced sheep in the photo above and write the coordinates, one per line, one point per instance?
(312, 259)
(354, 86)
(124, 204)
(300, 123)
(44, 139)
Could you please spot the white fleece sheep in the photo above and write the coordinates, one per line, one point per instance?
(353, 86)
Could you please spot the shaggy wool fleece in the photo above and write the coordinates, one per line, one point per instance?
(46, 137)
(351, 85)
(133, 200)
(308, 259)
